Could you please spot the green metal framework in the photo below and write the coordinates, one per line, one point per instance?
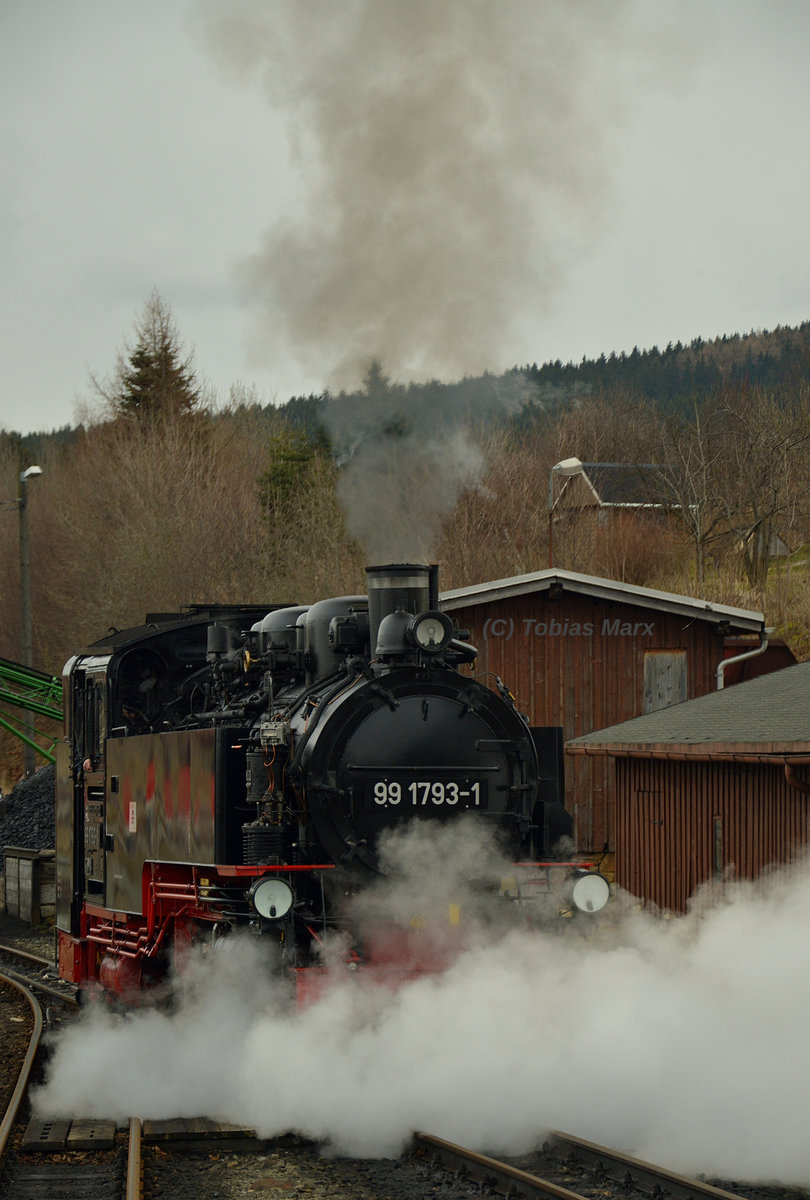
(33, 691)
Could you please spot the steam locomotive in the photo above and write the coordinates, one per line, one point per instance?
(227, 767)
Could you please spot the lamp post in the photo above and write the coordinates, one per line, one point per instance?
(25, 596)
(565, 467)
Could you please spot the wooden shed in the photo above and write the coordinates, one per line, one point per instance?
(581, 653)
(716, 787)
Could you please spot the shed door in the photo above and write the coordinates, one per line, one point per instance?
(664, 678)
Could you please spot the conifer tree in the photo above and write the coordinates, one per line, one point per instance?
(156, 379)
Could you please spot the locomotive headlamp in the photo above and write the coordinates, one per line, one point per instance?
(432, 631)
(272, 898)
(590, 892)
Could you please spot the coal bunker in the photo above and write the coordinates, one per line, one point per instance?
(27, 812)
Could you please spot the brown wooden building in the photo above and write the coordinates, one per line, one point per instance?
(581, 653)
(714, 788)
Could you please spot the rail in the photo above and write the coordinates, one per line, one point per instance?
(134, 1183)
(10, 1115)
(35, 972)
(489, 1172)
(647, 1177)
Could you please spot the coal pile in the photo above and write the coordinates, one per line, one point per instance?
(29, 817)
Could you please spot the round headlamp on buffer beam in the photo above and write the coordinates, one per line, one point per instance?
(272, 898)
(590, 892)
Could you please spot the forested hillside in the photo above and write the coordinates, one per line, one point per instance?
(672, 379)
(165, 499)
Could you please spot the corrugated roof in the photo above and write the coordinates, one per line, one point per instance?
(767, 715)
(738, 619)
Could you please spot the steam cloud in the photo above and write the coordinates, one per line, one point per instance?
(394, 493)
(683, 1041)
(453, 157)
(406, 454)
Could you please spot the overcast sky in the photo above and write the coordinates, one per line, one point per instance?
(447, 186)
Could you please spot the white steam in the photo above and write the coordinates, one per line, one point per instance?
(683, 1041)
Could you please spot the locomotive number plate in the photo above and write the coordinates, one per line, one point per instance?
(424, 793)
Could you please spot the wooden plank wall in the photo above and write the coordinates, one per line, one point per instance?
(681, 824)
(29, 891)
(578, 661)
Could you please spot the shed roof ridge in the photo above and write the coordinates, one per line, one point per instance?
(611, 588)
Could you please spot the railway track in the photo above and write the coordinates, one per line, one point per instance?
(19, 1048)
(570, 1168)
(197, 1158)
(50, 1160)
(37, 973)
(566, 1169)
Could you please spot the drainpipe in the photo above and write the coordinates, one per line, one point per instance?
(726, 662)
(793, 779)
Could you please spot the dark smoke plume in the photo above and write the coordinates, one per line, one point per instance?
(453, 154)
(404, 459)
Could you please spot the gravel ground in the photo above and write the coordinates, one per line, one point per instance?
(16, 1023)
(296, 1169)
(35, 941)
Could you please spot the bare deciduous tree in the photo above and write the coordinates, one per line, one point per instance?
(693, 451)
(607, 427)
(499, 527)
(762, 478)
